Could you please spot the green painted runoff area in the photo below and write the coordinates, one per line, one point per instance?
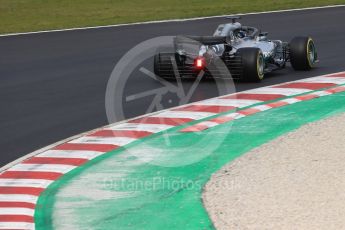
(157, 182)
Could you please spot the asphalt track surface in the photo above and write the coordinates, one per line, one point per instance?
(52, 85)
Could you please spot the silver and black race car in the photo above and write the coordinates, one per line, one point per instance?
(246, 52)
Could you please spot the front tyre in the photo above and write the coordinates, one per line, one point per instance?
(303, 54)
(253, 64)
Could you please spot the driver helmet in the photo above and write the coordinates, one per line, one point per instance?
(241, 34)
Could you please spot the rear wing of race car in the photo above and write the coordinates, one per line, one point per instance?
(192, 44)
(233, 18)
(205, 40)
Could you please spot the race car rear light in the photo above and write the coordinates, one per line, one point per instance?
(199, 62)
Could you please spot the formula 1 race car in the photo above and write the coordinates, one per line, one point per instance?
(246, 52)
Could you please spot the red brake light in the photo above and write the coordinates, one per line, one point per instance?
(200, 62)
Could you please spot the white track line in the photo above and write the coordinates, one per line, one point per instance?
(171, 20)
(119, 141)
(321, 93)
(183, 114)
(262, 107)
(59, 168)
(228, 102)
(234, 115)
(276, 90)
(291, 100)
(153, 128)
(334, 80)
(70, 154)
(16, 225)
(17, 211)
(36, 183)
(18, 198)
(209, 124)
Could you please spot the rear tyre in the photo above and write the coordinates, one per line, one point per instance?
(163, 65)
(303, 54)
(253, 64)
